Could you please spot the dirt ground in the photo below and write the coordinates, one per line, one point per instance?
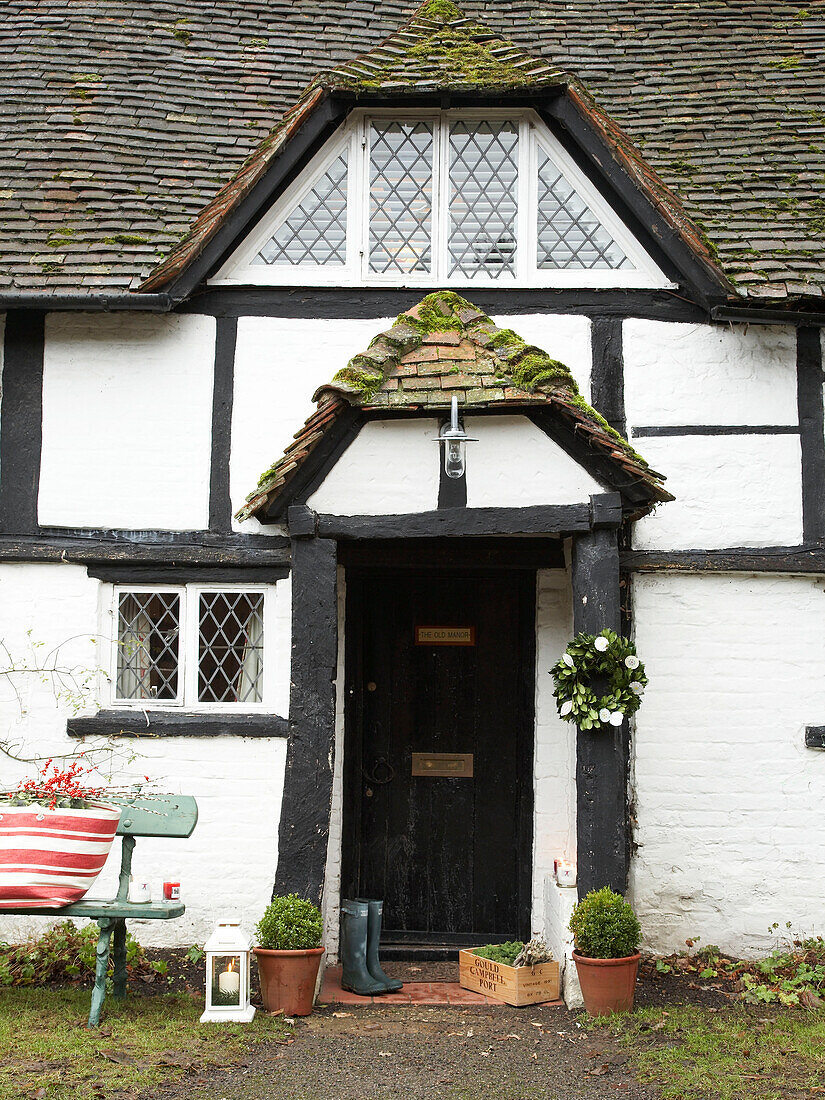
(495, 1053)
(418, 1053)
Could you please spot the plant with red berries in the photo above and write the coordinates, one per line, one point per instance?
(58, 787)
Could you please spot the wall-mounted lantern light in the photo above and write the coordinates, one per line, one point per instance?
(454, 437)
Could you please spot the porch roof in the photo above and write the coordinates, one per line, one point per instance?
(444, 346)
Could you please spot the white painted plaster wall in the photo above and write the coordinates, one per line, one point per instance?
(680, 374)
(127, 416)
(731, 490)
(392, 467)
(563, 336)
(279, 363)
(728, 801)
(332, 884)
(554, 819)
(228, 865)
(514, 465)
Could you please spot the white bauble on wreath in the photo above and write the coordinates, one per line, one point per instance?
(610, 657)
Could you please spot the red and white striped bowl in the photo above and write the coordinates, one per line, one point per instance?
(50, 858)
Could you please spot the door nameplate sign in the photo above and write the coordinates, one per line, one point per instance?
(445, 635)
(459, 765)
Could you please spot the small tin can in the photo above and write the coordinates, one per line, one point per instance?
(171, 891)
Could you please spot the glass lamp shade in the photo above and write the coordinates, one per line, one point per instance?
(453, 438)
(225, 981)
(228, 956)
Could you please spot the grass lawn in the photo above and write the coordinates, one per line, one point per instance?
(46, 1053)
(691, 1051)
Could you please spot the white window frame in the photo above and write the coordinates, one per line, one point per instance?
(187, 697)
(354, 134)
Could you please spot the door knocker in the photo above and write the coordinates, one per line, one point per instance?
(382, 773)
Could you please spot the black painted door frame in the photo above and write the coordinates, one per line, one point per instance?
(358, 578)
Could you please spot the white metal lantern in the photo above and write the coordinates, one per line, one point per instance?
(228, 957)
(453, 438)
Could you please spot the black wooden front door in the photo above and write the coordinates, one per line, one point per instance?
(450, 855)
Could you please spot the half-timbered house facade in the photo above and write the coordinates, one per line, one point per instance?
(257, 260)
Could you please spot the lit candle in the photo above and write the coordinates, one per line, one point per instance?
(229, 982)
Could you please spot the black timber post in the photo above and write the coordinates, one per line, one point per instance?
(601, 757)
(21, 421)
(307, 802)
(220, 504)
(607, 371)
(809, 380)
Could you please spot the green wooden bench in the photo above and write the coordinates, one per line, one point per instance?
(170, 816)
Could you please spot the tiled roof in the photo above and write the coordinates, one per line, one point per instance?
(445, 346)
(122, 120)
(439, 49)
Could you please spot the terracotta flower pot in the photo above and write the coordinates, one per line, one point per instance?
(608, 985)
(288, 979)
(50, 858)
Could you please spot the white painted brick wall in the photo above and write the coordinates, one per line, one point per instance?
(554, 820)
(228, 865)
(731, 490)
(729, 802)
(127, 420)
(709, 374)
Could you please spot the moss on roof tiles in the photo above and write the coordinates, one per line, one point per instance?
(441, 48)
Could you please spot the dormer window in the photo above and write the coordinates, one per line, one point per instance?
(471, 198)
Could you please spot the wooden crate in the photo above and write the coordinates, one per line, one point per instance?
(515, 985)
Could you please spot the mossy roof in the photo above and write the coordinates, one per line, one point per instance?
(441, 49)
(446, 346)
(123, 120)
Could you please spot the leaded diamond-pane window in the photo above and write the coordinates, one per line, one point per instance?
(148, 635)
(429, 197)
(569, 233)
(316, 230)
(483, 183)
(230, 647)
(401, 197)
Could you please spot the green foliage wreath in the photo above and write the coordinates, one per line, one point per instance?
(604, 655)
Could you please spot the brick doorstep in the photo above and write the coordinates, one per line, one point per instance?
(419, 993)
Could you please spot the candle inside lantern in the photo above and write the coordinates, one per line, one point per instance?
(229, 982)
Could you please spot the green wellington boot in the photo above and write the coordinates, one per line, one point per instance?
(391, 985)
(355, 977)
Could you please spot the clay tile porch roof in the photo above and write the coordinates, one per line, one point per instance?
(441, 347)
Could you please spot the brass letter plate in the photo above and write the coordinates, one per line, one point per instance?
(459, 765)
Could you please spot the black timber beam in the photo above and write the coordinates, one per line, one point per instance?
(460, 522)
(738, 559)
(21, 421)
(159, 723)
(307, 801)
(379, 302)
(601, 756)
(263, 552)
